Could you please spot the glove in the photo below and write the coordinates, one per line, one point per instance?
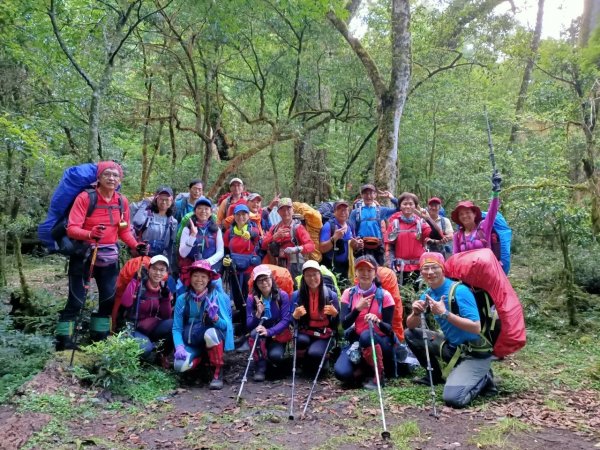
(142, 248)
(97, 232)
(496, 181)
(227, 261)
(246, 235)
(213, 311)
(180, 352)
(330, 310)
(290, 250)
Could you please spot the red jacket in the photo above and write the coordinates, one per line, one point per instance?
(79, 225)
(301, 235)
(407, 246)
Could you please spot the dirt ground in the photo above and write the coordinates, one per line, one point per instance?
(194, 417)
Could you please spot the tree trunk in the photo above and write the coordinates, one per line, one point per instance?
(535, 44)
(275, 174)
(26, 291)
(569, 283)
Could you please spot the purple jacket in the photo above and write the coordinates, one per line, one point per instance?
(482, 236)
(281, 317)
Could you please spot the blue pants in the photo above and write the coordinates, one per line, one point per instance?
(347, 372)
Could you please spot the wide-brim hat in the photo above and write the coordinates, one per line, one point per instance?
(204, 266)
(469, 205)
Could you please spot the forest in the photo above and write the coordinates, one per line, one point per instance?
(309, 99)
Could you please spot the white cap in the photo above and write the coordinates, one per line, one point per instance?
(236, 180)
(159, 258)
(311, 264)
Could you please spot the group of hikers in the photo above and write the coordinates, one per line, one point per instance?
(208, 277)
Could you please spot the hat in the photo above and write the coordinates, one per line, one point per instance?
(203, 265)
(254, 196)
(311, 264)
(241, 208)
(203, 201)
(340, 203)
(410, 195)
(434, 200)
(260, 270)
(236, 180)
(364, 262)
(164, 190)
(159, 259)
(432, 258)
(368, 186)
(285, 201)
(103, 165)
(469, 205)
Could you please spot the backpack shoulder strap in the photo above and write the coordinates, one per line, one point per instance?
(452, 303)
(379, 298)
(93, 196)
(351, 296)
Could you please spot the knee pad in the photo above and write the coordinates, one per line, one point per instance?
(211, 338)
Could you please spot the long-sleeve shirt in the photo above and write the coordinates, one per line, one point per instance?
(106, 213)
(301, 237)
(365, 220)
(196, 315)
(152, 304)
(187, 243)
(351, 316)
(481, 236)
(280, 319)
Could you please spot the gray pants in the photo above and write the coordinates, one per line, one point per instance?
(469, 377)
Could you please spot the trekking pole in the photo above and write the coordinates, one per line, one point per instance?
(86, 288)
(490, 144)
(244, 378)
(429, 368)
(138, 295)
(291, 416)
(312, 388)
(385, 434)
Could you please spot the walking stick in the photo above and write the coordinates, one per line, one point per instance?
(429, 368)
(86, 288)
(490, 144)
(245, 377)
(385, 434)
(316, 378)
(138, 296)
(291, 416)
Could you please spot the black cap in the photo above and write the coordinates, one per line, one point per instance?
(164, 190)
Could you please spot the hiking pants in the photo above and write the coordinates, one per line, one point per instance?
(346, 371)
(313, 348)
(467, 379)
(274, 350)
(106, 280)
(162, 331)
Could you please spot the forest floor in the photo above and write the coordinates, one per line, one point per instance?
(548, 399)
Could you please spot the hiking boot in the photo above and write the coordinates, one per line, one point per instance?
(424, 380)
(490, 389)
(215, 356)
(217, 382)
(65, 343)
(371, 385)
(260, 371)
(244, 347)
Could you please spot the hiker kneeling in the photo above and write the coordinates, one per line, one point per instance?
(469, 371)
(360, 304)
(271, 304)
(202, 323)
(148, 305)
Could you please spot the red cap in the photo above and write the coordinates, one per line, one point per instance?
(434, 200)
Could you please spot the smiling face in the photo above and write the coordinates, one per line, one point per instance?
(286, 213)
(202, 213)
(407, 207)
(466, 217)
(368, 196)
(434, 210)
(164, 202)
(241, 218)
(199, 280)
(365, 275)
(156, 272)
(312, 277)
(341, 214)
(196, 192)
(264, 283)
(236, 188)
(433, 274)
(110, 179)
(254, 204)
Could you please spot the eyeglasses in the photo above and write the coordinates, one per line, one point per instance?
(432, 268)
(263, 280)
(164, 200)
(106, 174)
(158, 269)
(196, 189)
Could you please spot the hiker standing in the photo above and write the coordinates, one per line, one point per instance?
(405, 237)
(367, 301)
(469, 371)
(230, 200)
(336, 235)
(316, 309)
(201, 239)
(148, 305)
(288, 240)
(108, 222)
(474, 231)
(366, 223)
(154, 223)
(202, 323)
(443, 245)
(272, 304)
(185, 203)
(241, 244)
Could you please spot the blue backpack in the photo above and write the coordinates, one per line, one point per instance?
(501, 240)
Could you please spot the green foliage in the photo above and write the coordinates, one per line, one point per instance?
(586, 261)
(497, 435)
(403, 434)
(21, 357)
(115, 364)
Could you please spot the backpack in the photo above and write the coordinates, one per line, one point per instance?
(126, 274)
(378, 297)
(282, 277)
(162, 244)
(481, 271)
(326, 211)
(53, 231)
(329, 280)
(501, 240)
(377, 217)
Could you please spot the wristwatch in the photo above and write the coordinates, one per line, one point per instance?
(445, 315)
